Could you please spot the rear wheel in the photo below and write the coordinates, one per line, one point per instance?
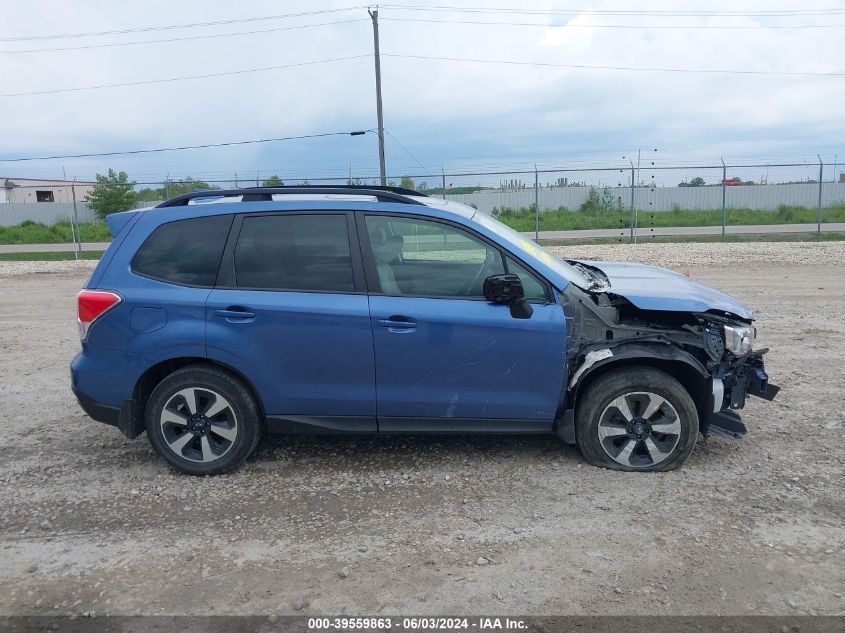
(202, 420)
(636, 418)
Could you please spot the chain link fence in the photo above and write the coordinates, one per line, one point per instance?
(626, 202)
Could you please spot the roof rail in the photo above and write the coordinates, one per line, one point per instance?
(265, 194)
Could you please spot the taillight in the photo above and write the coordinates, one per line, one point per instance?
(91, 305)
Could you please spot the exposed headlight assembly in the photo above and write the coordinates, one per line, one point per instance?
(739, 339)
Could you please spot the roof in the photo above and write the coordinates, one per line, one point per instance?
(317, 193)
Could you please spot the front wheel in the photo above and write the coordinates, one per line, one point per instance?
(202, 421)
(637, 418)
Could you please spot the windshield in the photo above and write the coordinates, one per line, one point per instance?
(576, 275)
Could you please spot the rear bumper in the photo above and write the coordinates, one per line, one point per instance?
(123, 418)
(98, 389)
(98, 411)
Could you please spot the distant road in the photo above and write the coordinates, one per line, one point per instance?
(52, 248)
(741, 229)
(745, 229)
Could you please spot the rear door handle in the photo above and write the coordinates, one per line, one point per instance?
(397, 323)
(235, 314)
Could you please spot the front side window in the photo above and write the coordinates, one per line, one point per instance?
(534, 289)
(430, 259)
(184, 252)
(294, 252)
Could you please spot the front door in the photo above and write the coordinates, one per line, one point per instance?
(291, 314)
(446, 359)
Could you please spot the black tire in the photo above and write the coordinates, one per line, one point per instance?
(245, 420)
(597, 406)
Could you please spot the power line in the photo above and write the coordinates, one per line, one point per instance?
(168, 27)
(422, 20)
(441, 8)
(185, 147)
(623, 12)
(405, 149)
(181, 39)
(184, 78)
(625, 68)
(623, 26)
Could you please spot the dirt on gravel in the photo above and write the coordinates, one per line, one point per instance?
(91, 522)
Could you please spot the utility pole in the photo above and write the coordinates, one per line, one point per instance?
(382, 173)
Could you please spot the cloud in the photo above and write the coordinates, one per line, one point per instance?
(452, 114)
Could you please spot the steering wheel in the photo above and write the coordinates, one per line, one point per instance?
(467, 287)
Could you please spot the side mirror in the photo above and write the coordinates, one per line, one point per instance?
(507, 289)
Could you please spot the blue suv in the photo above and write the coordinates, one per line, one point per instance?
(218, 316)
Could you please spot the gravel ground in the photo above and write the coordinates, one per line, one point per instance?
(90, 522)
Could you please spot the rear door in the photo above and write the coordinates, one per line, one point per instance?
(290, 312)
(446, 359)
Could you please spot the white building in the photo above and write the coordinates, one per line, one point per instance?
(39, 190)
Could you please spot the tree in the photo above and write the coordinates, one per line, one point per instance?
(273, 181)
(407, 183)
(600, 201)
(113, 192)
(173, 188)
(698, 181)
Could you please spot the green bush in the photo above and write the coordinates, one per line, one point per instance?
(600, 202)
(29, 232)
(562, 219)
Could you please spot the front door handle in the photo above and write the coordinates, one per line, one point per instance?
(396, 323)
(236, 314)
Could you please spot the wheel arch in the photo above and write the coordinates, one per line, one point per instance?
(678, 363)
(158, 372)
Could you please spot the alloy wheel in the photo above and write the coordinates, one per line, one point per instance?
(199, 424)
(639, 429)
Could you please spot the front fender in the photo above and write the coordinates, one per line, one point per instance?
(598, 360)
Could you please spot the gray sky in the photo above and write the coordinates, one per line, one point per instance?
(455, 114)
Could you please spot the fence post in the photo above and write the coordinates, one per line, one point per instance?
(536, 203)
(633, 216)
(819, 219)
(76, 220)
(724, 184)
(72, 226)
(443, 176)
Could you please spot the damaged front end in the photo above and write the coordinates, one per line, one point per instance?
(709, 350)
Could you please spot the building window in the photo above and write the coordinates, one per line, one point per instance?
(44, 196)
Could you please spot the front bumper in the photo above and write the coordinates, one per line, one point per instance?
(732, 383)
(745, 376)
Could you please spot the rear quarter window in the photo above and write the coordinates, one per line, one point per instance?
(294, 252)
(184, 252)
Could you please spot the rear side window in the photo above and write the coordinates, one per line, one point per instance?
(184, 252)
(294, 252)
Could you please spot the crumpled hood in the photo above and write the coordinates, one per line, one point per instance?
(652, 288)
